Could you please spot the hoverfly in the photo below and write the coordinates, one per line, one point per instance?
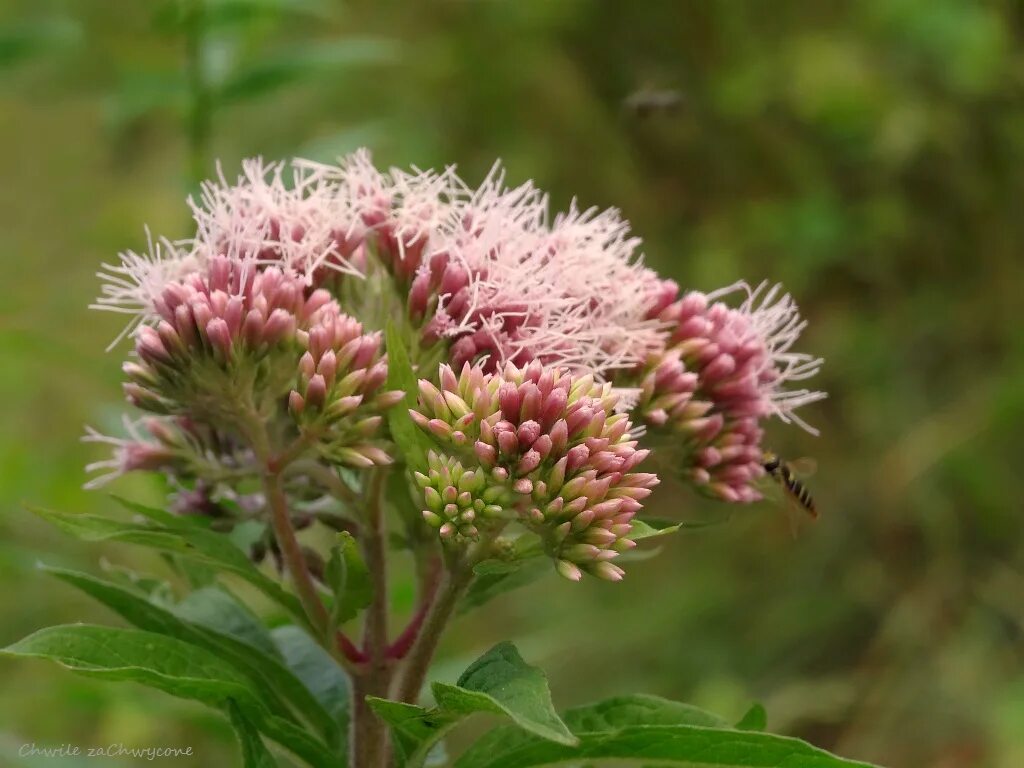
(785, 474)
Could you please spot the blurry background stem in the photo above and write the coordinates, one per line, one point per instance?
(199, 116)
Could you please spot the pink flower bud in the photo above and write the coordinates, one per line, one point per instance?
(150, 347)
(278, 326)
(316, 391)
(527, 433)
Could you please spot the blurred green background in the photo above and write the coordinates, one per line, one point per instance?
(869, 155)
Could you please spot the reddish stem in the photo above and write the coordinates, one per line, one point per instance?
(401, 646)
(349, 649)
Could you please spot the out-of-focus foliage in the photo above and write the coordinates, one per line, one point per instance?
(870, 155)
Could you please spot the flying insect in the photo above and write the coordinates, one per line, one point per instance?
(786, 474)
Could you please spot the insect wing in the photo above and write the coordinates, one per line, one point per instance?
(803, 467)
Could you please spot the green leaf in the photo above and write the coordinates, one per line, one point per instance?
(205, 547)
(499, 682)
(268, 73)
(502, 683)
(254, 752)
(407, 436)
(267, 672)
(686, 746)
(320, 674)
(156, 514)
(214, 608)
(146, 585)
(652, 528)
(755, 719)
(638, 709)
(496, 577)
(171, 665)
(414, 729)
(349, 579)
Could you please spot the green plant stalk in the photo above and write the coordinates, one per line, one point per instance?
(368, 739)
(294, 560)
(455, 580)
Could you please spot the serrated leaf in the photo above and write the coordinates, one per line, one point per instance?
(499, 682)
(755, 719)
(267, 671)
(349, 579)
(254, 752)
(407, 436)
(320, 674)
(206, 547)
(637, 709)
(270, 72)
(686, 746)
(171, 665)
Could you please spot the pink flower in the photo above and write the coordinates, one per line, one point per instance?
(133, 286)
(499, 284)
(234, 344)
(724, 371)
(486, 272)
(304, 225)
(138, 451)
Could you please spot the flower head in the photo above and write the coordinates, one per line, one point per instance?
(235, 343)
(550, 448)
(498, 284)
(340, 391)
(724, 371)
(292, 217)
(149, 445)
(133, 286)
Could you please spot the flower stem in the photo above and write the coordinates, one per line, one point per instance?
(369, 735)
(429, 582)
(291, 552)
(454, 583)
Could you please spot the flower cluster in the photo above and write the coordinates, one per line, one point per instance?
(548, 444)
(213, 325)
(723, 372)
(250, 342)
(339, 392)
(501, 285)
(303, 225)
(487, 274)
(458, 499)
(235, 342)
